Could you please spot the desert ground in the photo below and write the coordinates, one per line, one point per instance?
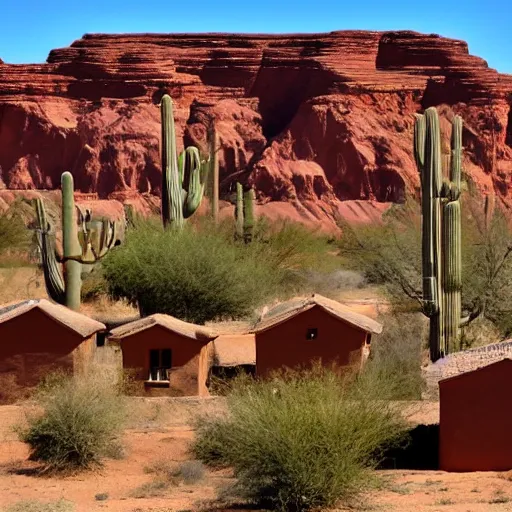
(159, 435)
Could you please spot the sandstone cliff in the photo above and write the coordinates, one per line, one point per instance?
(320, 124)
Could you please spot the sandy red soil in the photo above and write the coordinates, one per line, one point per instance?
(161, 430)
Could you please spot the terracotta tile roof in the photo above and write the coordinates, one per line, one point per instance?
(234, 350)
(192, 331)
(296, 306)
(72, 320)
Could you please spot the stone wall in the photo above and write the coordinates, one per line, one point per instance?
(462, 362)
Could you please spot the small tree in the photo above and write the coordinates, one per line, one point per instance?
(390, 255)
(191, 274)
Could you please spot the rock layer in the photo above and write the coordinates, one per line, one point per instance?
(320, 124)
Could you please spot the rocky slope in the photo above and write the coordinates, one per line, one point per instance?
(320, 124)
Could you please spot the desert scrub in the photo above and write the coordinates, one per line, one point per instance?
(80, 422)
(14, 235)
(300, 440)
(39, 506)
(396, 357)
(195, 275)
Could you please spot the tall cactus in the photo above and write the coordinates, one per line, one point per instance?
(248, 215)
(452, 277)
(244, 213)
(213, 157)
(178, 203)
(441, 231)
(239, 212)
(81, 247)
(70, 244)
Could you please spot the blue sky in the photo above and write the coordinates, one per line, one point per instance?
(31, 28)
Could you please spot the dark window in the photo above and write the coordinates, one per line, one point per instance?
(159, 362)
(100, 339)
(166, 358)
(312, 334)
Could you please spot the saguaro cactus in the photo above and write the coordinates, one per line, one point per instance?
(452, 255)
(239, 212)
(178, 203)
(244, 213)
(53, 277)
(213, 157)
(441, 231)
(81, 247)
(248, 215)
(70, 244)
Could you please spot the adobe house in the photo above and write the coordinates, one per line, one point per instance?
(38, 337)
(302, 330)
(166, 355)
(476, 419)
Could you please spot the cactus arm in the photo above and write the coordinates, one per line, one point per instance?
(172, 200)
(53, 279)
(239, 212)
(419, 142)
(196, 183)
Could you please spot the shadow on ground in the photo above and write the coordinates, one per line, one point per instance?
(420, 453)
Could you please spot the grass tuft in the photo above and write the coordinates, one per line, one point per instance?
(39, 506)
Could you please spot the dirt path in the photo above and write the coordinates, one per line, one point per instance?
(422, 491)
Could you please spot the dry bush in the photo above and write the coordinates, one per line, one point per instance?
(39, 506)
(168, 473)
(396, 357)
(80, 421)
(301, 440)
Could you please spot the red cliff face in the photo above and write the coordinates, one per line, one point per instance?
(320, 124)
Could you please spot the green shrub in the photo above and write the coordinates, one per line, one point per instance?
(197, 274)
(300, 440)
(80, 421)
(396, 357)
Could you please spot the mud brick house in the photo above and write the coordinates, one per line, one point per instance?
(167, 355)
(476, 419)
(38, 337)
(304, 330)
